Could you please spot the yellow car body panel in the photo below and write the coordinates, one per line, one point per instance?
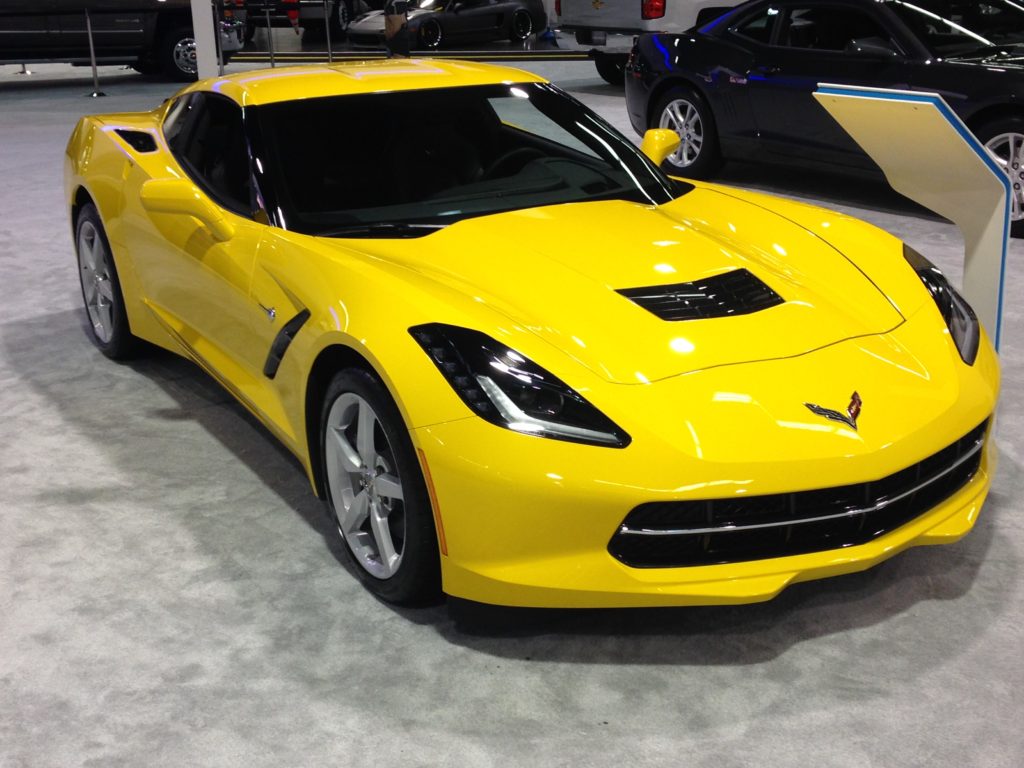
(714, 410)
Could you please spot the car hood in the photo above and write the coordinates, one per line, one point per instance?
(556, 271)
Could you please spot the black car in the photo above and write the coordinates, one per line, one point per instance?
(740, 87)
(151, 35)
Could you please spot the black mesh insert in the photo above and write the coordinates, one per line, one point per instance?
(731, 293)
(868, 510)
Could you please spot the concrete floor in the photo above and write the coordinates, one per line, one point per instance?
(168, 596)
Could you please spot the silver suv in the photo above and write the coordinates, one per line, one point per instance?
(606, 27)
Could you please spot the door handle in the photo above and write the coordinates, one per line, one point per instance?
(766, 70)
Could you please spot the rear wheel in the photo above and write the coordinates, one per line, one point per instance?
(611, 67)
(431, 34)
(521, 26)
(375, 491)
(101, 289)
(685, 112)
(177, 54)
(1004, 139)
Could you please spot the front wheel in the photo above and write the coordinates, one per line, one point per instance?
(685, 112)
(521, 26)
(376, 492)
(1004, 139)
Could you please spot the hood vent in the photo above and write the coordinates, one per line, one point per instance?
(732, 293)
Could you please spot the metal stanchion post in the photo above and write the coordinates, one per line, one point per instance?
(24, 70)
(270, 35)
(96, 92)
(216, 37)
(327, 30)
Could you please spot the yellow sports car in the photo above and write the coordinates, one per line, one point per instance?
(522, 365)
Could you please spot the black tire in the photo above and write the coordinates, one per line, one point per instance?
(699, 163)
(117, 341)
(430, 35)
(177, 55)
(416, 579)
(521, 26)
(611, 67)
(989, 133)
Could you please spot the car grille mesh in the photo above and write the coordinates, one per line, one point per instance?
(737, 529)
(737, 292)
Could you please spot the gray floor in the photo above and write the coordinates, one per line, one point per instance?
(168, 595)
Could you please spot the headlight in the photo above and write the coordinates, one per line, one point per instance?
(503, 387)
(959, 317)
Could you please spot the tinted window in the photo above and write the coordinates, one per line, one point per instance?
(759, 26)
(950, 28)
(831, 29)
(441, 155)
(207, 136)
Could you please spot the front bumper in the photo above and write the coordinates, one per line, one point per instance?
(527, 521)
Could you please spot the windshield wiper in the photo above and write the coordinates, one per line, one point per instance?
(383, 229)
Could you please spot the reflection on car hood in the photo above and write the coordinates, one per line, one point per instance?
(374, 21)
(556, 270)
(1010, 57)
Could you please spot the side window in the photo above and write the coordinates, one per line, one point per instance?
(832, 29)
(206, 134)
(758, 27)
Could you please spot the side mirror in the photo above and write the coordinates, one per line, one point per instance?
(659, 143)
(181, 196)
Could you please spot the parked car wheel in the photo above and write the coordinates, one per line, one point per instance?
(685, 112)
(178, 54)
(521, 26)
(1004, 138)
(430, 34)
(101, 290)
(611, 67)
(375, 491)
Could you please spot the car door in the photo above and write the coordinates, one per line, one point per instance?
(197, 285)
(25, 32)
(816, 43)
(474, 19)
(118, 26)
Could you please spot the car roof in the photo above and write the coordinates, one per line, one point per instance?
(270, 86)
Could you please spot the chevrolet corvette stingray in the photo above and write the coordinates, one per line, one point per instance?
(520, 364)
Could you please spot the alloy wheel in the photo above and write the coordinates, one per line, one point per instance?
(522, 25)
(682, 117)
(94, 271)
(1008, 151)
(364, 485)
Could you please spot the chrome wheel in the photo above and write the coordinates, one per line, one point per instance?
(97, 289)
(682, 117)
(1008, 151)
(184, 56)
(366, 490)
(430, 34)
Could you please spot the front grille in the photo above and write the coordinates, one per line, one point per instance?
(715, 531)
(737, 292)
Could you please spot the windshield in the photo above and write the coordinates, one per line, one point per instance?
(957, 28)
(405, 163)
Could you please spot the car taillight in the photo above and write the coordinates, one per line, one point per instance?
(652, 9)
(558, 7)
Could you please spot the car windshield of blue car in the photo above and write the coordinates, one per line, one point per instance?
(951, 29)
(405, 163)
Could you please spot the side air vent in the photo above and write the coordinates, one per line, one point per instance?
(731, 293)
(140, 141)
